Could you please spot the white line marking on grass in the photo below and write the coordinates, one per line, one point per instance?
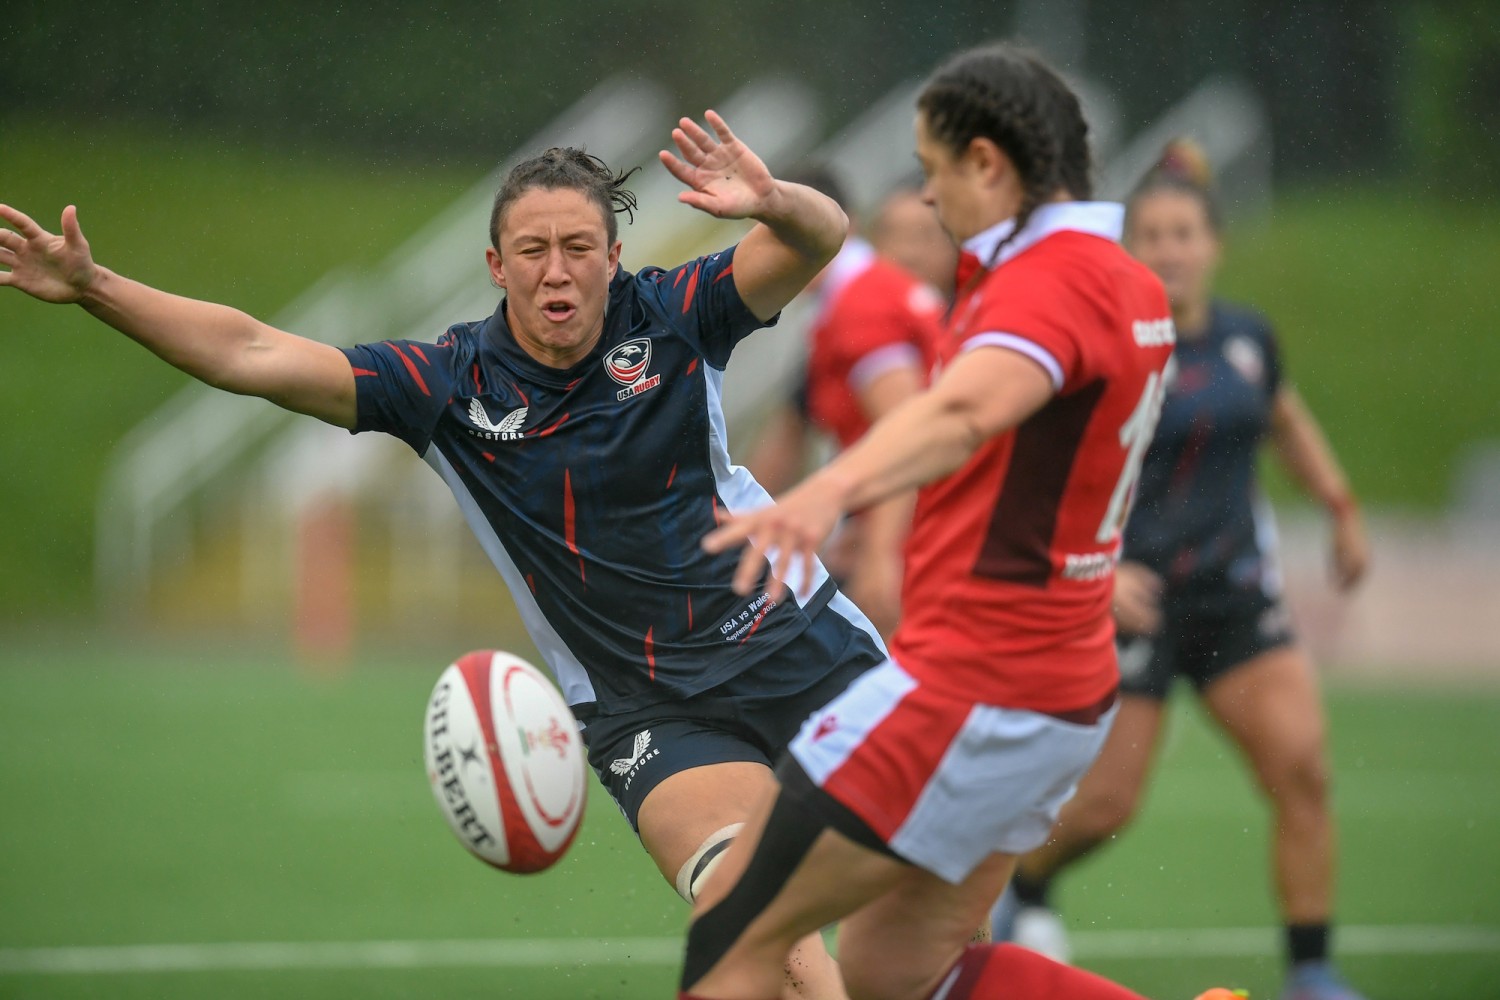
(271, 956)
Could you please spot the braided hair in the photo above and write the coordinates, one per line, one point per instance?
(566, 167)
(1183, 168)
(1010, 96)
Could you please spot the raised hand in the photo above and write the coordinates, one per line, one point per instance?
(789, 532)
(724, 178)
(48, 267)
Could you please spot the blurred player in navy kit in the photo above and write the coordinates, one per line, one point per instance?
(1197, 593)
(580, 430)
(877, 318)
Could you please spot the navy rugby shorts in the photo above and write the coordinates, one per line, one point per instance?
(1201, 640)
(750, 717)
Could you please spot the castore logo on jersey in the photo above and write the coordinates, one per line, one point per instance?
(508, 429)
(627, 365)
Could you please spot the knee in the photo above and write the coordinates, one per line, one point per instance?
(1097, 816)
(1298, 778)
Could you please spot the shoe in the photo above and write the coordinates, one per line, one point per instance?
(1317, 981)
(1041, 930)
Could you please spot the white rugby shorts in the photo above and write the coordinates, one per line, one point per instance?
(944, 781)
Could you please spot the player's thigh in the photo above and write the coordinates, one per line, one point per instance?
(685, 809)
(900, 945)
(1114, 783)
(1271, 707)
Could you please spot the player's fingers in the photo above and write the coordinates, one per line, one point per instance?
(748, 573)
(720, 126)
(7, 257)
(11, 240)
(676, 167)
(698, 134)
(72, 231)
(702, 202)
(21, 222)
(689, 149)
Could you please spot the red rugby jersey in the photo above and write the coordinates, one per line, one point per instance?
(873, 316)
(1010, 563)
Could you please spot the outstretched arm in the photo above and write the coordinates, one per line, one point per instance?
(1308, 459)
(982, 393)
(213, 343)
(800, 229)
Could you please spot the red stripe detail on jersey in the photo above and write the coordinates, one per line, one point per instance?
(671, 476)
(678, 280)
(524, 400)
(570, 385)
(1192, 454)
(477, 386)
(411, 368)
(568, 529)
(717, 522)
(531, 582)
(651, 653)
(760, 616)
(365, 371)
(568, 535)
(692, 288)
(690, 612)
(487, 456)
(724, 274)
(1018, 544)
(692, 366)
(415, 349)
(548, 430)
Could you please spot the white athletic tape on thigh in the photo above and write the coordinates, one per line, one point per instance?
(695, 871)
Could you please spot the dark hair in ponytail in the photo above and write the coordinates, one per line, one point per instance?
(566, 167)
(1183, 168)
(1010, 96)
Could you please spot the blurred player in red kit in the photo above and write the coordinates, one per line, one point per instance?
(871, 345)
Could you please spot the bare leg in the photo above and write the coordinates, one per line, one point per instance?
(1271, 708)
(690, 806)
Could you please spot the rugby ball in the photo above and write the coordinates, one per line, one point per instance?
(505, 761)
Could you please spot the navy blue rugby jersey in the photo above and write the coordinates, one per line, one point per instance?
(590, 488)
(1199, 519)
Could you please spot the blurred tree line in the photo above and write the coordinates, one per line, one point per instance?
(1353, 86)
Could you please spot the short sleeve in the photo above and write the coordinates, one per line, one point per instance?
(1040, 316)
(700, 300)
(892, 325)
(402, 387)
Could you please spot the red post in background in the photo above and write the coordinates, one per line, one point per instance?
(323, 616)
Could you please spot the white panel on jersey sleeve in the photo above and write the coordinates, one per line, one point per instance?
(738, 488)
(571, 677)
(1014, 342)
(881, 360)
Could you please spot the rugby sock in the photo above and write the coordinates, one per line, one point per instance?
(1010, 972)
(1306, 943)
(1031, 891)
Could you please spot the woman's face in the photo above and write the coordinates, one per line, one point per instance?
(971, 190)
(1171, 234)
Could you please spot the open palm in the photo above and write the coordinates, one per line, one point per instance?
(41, 264)
(725, 179)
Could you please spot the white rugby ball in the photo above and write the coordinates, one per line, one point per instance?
(505, 761)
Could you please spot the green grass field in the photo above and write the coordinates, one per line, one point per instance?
(179, 799)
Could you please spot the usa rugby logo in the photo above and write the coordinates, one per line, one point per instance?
(627, 365)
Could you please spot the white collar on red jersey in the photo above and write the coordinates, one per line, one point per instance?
(1097, 218)
(852, 260)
